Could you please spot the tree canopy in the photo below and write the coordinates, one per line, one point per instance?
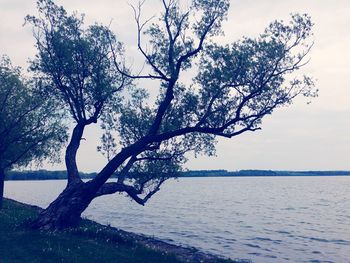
(30, 125)
(146, 140)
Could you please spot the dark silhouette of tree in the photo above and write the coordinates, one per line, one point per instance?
(234, 88)
(30, 127)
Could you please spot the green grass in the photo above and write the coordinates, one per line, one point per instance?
(91, 242)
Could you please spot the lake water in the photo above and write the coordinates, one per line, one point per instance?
(265, 219)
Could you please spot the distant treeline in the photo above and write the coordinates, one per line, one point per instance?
(217, 173)
(42, 175)
(54, 175)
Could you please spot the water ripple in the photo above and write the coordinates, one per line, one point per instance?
(272, 219)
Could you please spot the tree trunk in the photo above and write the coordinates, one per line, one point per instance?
(71, 153)
(66, 210)
(2, 179)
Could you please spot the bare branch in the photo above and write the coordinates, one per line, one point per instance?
(140, 26)
(125, 74)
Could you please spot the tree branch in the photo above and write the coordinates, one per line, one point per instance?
(111, 188)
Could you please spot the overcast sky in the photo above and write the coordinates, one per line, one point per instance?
(300, 137)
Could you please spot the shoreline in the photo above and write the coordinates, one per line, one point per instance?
(184, 177)
(182, 253)
(57, 175)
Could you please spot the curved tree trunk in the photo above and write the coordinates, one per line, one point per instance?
(66, 210)
(71, 153)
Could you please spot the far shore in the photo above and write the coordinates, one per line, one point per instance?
(57, 175)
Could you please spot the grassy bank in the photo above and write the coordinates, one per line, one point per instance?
(91, 242)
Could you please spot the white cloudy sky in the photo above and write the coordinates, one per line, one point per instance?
(300, 137)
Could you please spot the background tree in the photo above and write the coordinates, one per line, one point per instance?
(234, 87)
(30, 127)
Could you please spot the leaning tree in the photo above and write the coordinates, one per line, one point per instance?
(147, 137)
(30, 124)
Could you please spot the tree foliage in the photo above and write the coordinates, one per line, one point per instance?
(235, 85)
(75, 61)
(30, 125)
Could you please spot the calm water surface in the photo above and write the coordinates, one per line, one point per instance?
(266, 219)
